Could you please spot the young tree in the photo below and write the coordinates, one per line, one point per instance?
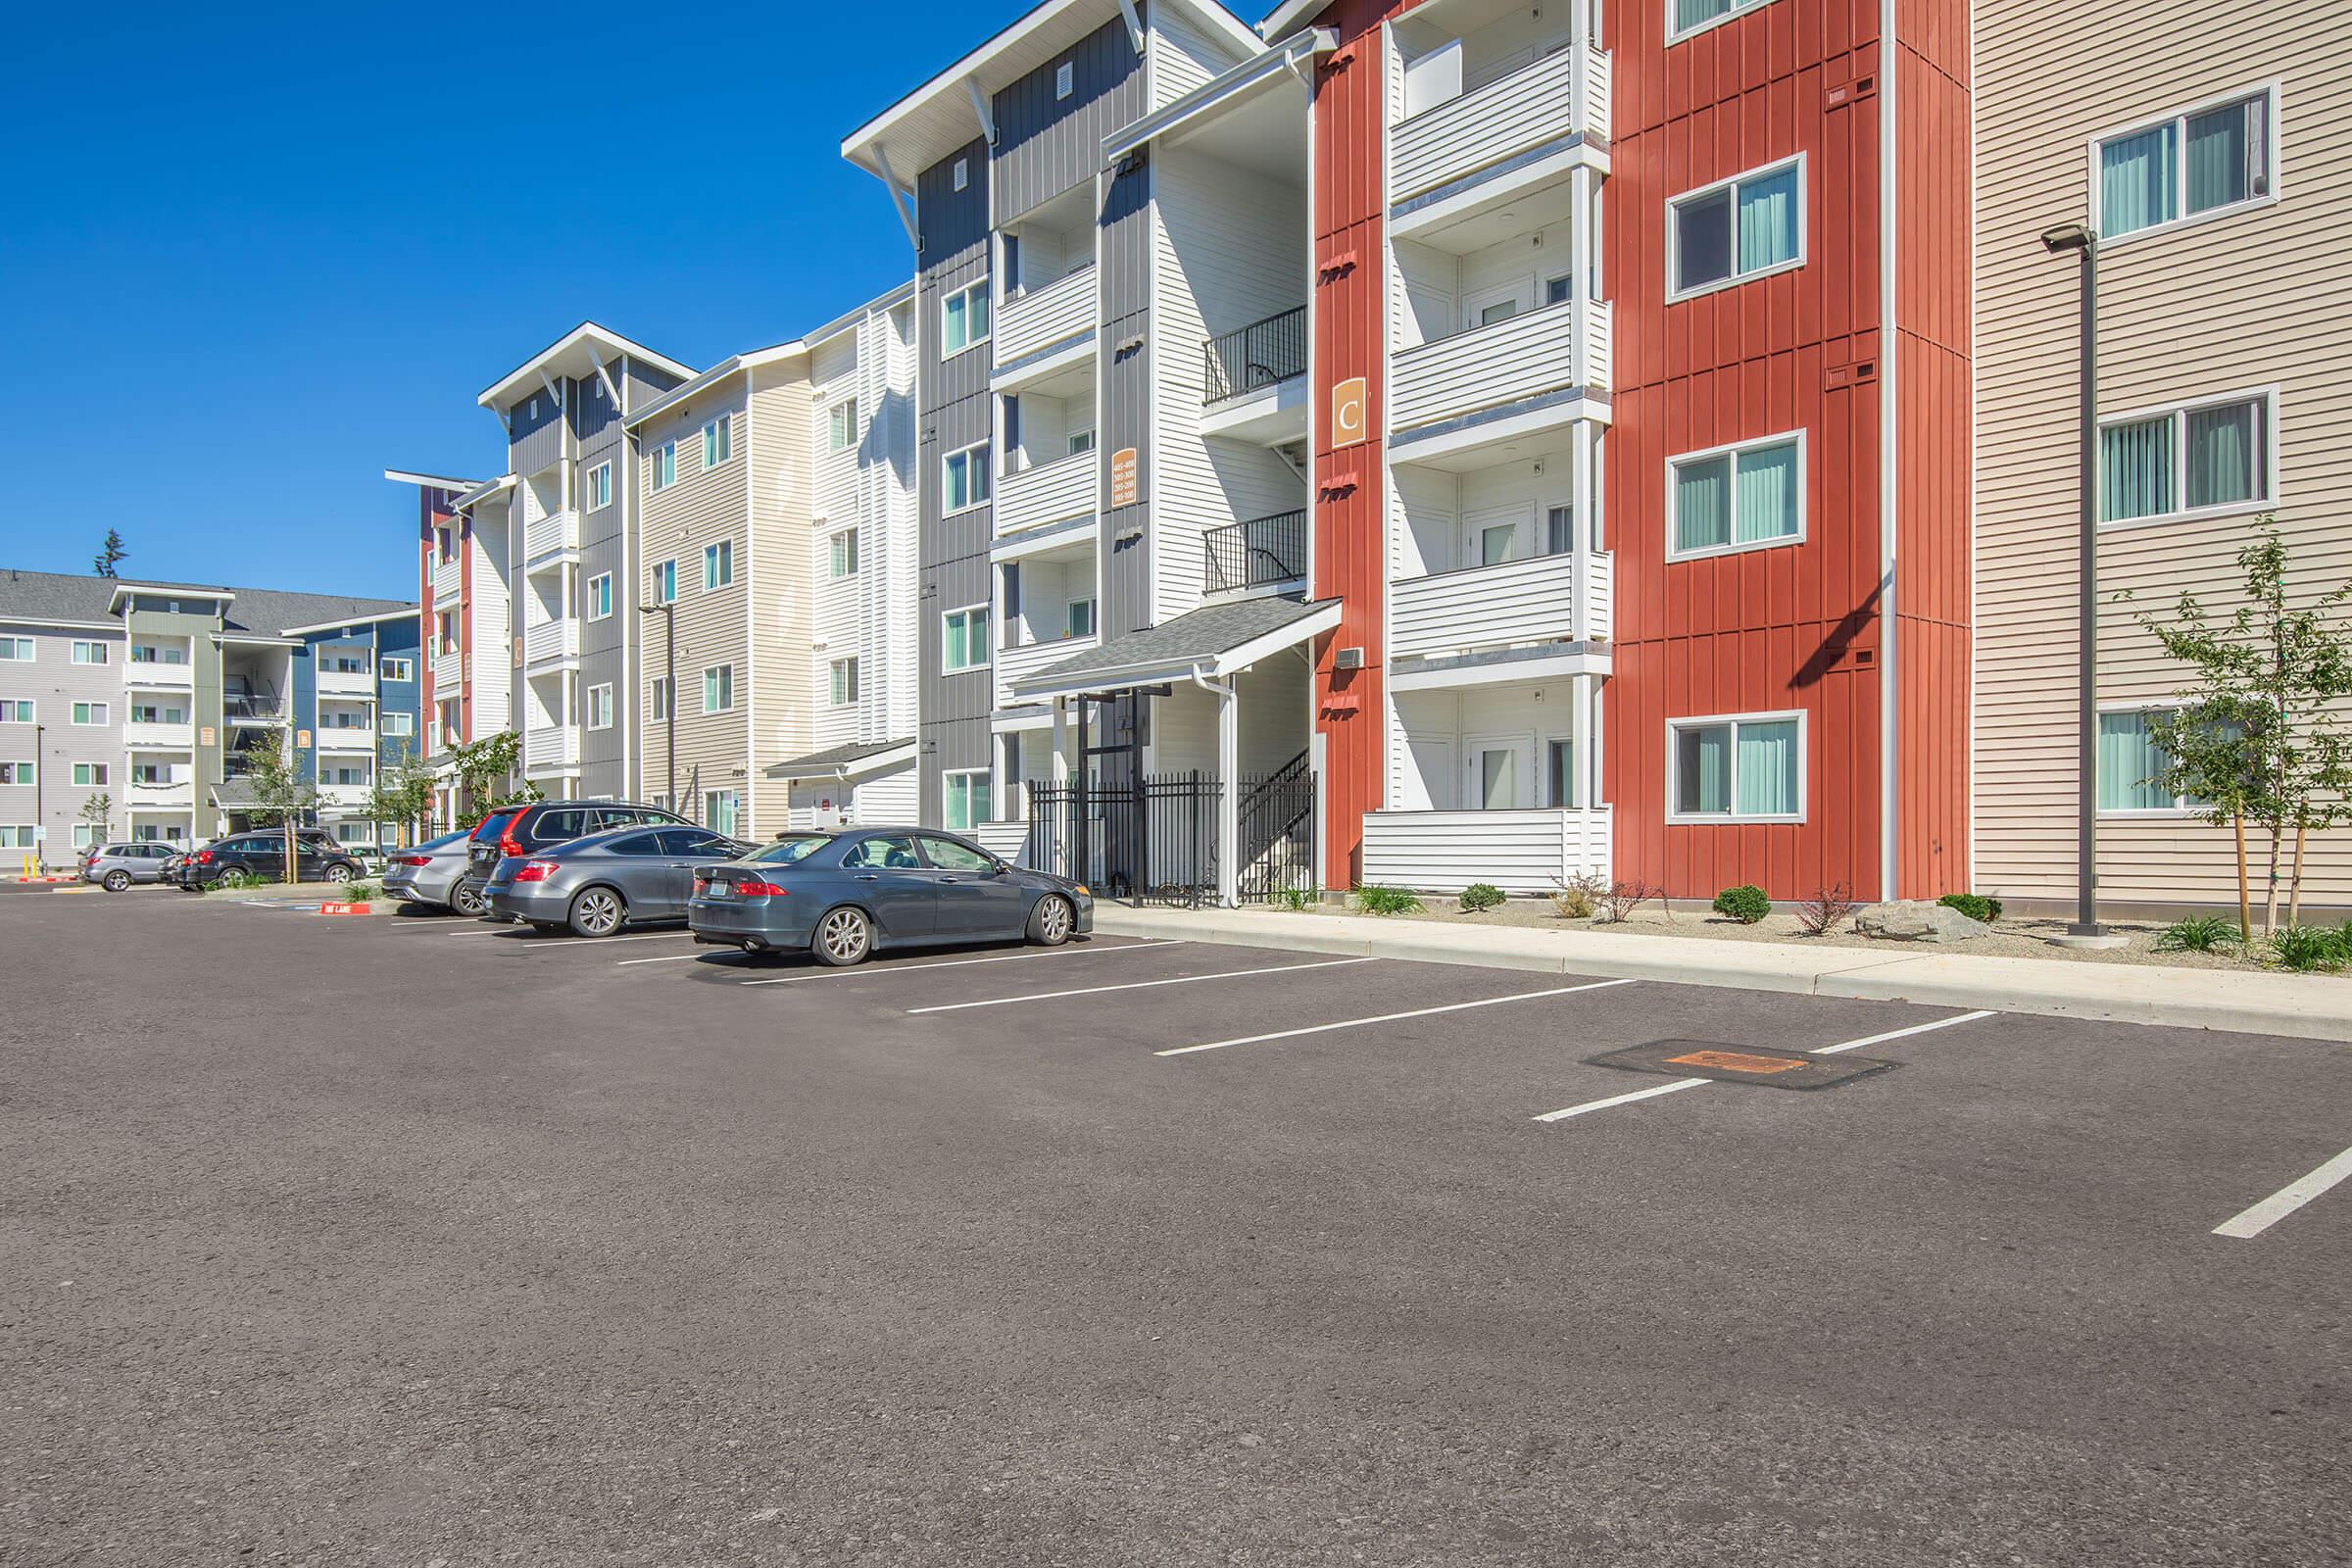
(280, 794)
(402, 794)
(2259, 735)
(109, 554)
(98, 815)
(488, 773)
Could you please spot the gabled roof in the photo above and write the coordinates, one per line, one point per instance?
(428, 481)
(577, 353)
(50, 596)
(1288, 16)
(1214, 639)
(844, 762)
(723, 372)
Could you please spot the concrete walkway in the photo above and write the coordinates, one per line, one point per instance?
(2308, 1006)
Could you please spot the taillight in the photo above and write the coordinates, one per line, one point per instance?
(204, 856)
(507, 842)
(534, 871)
(414, 860)
(760, 890)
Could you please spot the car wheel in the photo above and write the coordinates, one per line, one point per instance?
(597, 913)
(1049, 923)
(467, 902)
(338, 873)
(115, 881)
(845, 936)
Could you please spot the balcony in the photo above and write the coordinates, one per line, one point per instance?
(1562, 597)
(1253, 554)
(1259, 355)
(551, 642)
(344, 737)
(1051, 492)
(448, 577)
(346, 797)
(1019, 664)
(1531, 372)
(348, 685)
(550, 748)
(1500, 140)
(156, 675)
(253, 708)
(141, 736)
(1029, 322)
(448, 670)
(551, 541)
(167, 796)
(1518, 851)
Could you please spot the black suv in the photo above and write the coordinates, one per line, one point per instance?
(536, 827)
(262, 852)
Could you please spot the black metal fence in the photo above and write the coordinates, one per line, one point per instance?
(1263, 550)
(1277, 826)
(1153, 838)
(1258, 355)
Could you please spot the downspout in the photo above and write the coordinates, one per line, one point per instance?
(1229, 784)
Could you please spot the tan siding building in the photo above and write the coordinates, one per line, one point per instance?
(2217, 171)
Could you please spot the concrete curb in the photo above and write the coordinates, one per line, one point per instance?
(2303, 1006)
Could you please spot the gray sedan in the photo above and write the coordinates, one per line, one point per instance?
(841, 895)
(427, 874)
(118, 865)
(598, 884)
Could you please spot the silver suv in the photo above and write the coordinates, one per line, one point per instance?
(118, 865)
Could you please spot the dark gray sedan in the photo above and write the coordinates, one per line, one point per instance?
(427, 874)
(598, 884)
(841, 895)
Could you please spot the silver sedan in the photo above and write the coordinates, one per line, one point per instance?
(598, 884)
(427, 874)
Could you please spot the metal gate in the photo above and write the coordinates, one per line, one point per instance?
(1152, 838)
(1277, 825)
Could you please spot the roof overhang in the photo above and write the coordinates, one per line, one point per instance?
(898, 755)
(1288, 16)
(1236, 87)
(483, 492)
(1225, 662)
(718, 374)
(579, 352)
(430, 482)
(170, 590)
(404, 613)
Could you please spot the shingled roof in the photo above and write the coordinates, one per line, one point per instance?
(268, 611)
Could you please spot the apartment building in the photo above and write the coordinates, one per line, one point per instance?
(464, 675)
(2215, 178)
(357, 703)
(155, 695)
(775, 589)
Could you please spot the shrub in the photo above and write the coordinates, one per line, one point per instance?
(239, 882)
(2204, 933)
(1574, 898)
(1975, 906)
(2305, 948)
(359, 893)
(1746, 903)
(1619, 900)
(1481, 896)
(1827, 910)
(1374, 899)
(1298, 897)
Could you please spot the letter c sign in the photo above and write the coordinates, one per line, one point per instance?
(1347, 412)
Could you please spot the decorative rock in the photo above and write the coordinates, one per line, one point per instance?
(1917, 920)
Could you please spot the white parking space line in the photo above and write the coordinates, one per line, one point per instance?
(555, 943)
(1821, 1051)
(1140, 984)
(669, 958)
(1388, 1017)
(2286, 1200)
(861, 972)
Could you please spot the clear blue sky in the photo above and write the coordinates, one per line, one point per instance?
(250, 256)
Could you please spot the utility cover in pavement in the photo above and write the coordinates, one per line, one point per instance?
(1740, 1064)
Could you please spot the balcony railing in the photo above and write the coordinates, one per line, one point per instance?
(1018, 664)
(158, 736)
(551, 641)
(1537, 599)
(349, 684)
(1518, 851)
(1558, 348)
(546, 747)
(1252, 553)
(161, 795)
(1564, 93)
(1043, 317)
(253, 708)
(1265, 353)
(448, 670)
(1048, 493)
(448, 577)
(155, 673)
(551, 535)
(345, 737)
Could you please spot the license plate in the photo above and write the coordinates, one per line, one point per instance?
(722, 890)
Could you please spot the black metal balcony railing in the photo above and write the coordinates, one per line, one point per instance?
(1263, 550)
(1259, 355)
(255, 706)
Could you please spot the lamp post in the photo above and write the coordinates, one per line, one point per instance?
(40, 780)
(668, 612)
(2084, 242)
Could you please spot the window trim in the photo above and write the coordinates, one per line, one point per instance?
(2274, 89)
(2179, 414)
(841, 434)
(2179, 810)
(89, 645)
(833, 553)
(1733, 449)
(1673, 769)
(978, 287)
(986, 645)
(102, 715)
(1738, 9)
(406, 663)
(664, 462)
(1673, 244)
(32, 709)
(32, 774)
(987, 776)
(605, 687)
(718, 435)
(835, 670)
(599, 591)
(711, 555)
(32, 646)
(979, 467)
(709, 671)
(604, 468)
(665, 575)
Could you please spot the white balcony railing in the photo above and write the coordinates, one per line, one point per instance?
(159, 676)
(345, 796)
(1541, 599)
(138, 736)
(549, 747)
(1015, 663)
(551, 642)
(344, 737)
(1557, 96)
(171, 796)
(1045, 316)
(448, 577)
(1051, 492)
(448, 672)
(348, 685)
(550, 536)
(1518, 851)
(1559, 348)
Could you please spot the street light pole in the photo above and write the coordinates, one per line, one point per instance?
(40, 781)
(668, 612)
(2084, 242)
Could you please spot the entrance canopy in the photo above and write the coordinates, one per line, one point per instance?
(1213, 642)
(844, 762)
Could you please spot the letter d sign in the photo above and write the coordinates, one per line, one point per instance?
(1347, 412)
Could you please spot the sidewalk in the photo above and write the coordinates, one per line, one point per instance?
(2306, 1006)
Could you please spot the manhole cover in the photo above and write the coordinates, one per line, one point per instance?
(1740, 1064)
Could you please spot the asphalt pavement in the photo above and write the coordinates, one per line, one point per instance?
(420, 1241)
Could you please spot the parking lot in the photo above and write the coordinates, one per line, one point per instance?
(420, 1239)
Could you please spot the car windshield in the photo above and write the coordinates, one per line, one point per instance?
(491, 825)
(443, 842)
(786, 851)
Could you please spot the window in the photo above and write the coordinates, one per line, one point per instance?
(2132, 760)
(600, 486)
(720, 810)
(842, 427)
(1062, 80)
(1559, 290)
(600, 596)
(397, 669)
(965, 645)
(1737, 498)
(965, 319)
(156, 713)
(889, 852)
(1079, 620)
(718, 565)
(658, 696)
(150, 654)
(2200, 458)
(16, 710)
(16, 838)
(20, 772)
(600, 706)
(950, 855)
(845, 682)
(2191, 164)
(966, 799)
(666, 464)
(16, 649)
(718, 441)
(90, 712)
(1559, 531)
(400, 724)
(89, 653)
(962, 174)
(718, 688)
(966, 482)
(1686, 17)
(1081, 441)
(1746, 768)
(665, 583)
(844, 549)
(84, 836)
(1735, 229)
(1559, 771)
(92, 775)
